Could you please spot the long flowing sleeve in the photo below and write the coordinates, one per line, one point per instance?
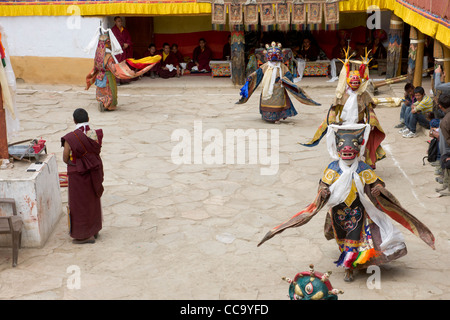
(300, 218)
(122, 71)
(387, 203)
(296, 91)
(253, 81)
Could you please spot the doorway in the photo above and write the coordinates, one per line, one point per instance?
(142, 34)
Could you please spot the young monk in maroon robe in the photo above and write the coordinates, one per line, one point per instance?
(169, 66)
(123, 36)
(151, 52)
(201, 57)
(177, 53)
(85, 172)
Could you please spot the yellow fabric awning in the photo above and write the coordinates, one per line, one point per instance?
(102, 8)
(432, 26)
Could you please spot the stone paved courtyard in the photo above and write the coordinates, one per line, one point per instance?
(189, 231)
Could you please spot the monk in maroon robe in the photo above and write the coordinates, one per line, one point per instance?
(151, 52)
(169, 66)
(123, 36)
(201, 57)
(177, 53)
(85, 174)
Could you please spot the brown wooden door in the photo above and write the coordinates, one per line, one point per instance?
(141, 31)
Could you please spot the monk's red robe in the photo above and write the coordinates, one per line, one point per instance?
(85, 174)
(170, 59)
(202, 57)
(123, 37)
(179, 56)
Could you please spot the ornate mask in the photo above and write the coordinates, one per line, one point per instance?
(311, 285)
(349, 142)
(354, 80)
(274, 52)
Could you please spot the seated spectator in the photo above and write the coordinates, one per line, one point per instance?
(151, 52)
(179, 56)
(419, 113)
(439, 85)
(434, 134)
(307, 52)
(169, 64)
(444, 143)
(226, 52)
(406, 104)
(201, 57)
(177, 53)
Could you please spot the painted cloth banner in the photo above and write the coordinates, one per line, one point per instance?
(283, 17)
(218, 16)
(251, 17)
(235, 11)
(298, 16)
(267, 17)
(315, 15)
(235, 18)
(331, 14)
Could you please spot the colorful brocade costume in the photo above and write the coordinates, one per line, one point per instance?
(359, 206)
(348, 223)
(107, 69)
(277, 81)
(354, 104)
(374, 151)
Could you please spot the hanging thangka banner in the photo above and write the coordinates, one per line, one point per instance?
(268, 22)
(218, 16)
(331, 13)
(315, 16)
(283, 16)
(251, 17)
(235, 18)
(298, 16)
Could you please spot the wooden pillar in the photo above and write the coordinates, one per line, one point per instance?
(4, 154)
(238, 57)
(446, 63)
(412, 54)
(438, 55)
(419, 59)
(394, 55)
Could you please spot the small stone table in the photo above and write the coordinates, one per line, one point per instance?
(38, 199)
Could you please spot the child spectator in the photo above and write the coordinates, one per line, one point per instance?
(406, 105)
(179, 57)
(151, 52)
(419, 113)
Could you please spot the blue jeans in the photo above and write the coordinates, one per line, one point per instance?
(404, 112)
(412, 119)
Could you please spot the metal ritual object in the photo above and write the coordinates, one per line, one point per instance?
(19, 150)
